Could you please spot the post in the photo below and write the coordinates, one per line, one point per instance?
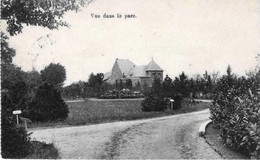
(17, 112)
(25, 123)
(171, 100)
(17, 119)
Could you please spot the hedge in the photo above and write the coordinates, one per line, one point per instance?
(236, 113)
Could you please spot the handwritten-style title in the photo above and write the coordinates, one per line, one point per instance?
(118, 15)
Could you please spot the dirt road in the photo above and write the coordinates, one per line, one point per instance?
(167, 137)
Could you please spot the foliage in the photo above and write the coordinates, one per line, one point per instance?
(14, 139)
(167, 87)
(7, 53)
(236, 111)
(32, 80)
(157, 87)
(181, 85)
(153, 102)
(137, 87)
(97, 79)
(95, 84)
(41, 150)
(129, 84)
(124, 93)
(45, 13)
(73, 91)
(55, 74)
(47, 105)
(178, 100)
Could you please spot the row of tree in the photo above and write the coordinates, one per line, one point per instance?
(96, 85)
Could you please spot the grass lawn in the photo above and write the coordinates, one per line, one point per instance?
(93, 112)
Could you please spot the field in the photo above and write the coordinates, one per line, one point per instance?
(93, 112)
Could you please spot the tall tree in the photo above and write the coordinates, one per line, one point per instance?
(54, 74)
(181, 84)
(95, 83)
(156, 86)
(33, 81)
(167, 86)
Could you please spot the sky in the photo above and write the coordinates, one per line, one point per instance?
(190, 36)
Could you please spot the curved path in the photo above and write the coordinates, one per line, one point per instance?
(158, 138)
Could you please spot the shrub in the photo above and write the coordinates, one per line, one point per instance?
(236, 112)
(153, 103)
(177, 101)
(15, 141)
(47, 105)
(41, 150)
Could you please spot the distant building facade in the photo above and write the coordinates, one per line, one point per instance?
(124, 69)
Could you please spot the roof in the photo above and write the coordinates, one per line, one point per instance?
(138, 71)
(125, 65)
(153, 66)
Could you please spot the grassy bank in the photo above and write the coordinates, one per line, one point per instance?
(93, 112)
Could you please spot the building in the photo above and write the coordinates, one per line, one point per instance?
(124, 69)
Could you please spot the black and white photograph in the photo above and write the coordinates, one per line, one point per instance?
(130, 79)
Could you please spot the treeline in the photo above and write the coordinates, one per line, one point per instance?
(199, 86)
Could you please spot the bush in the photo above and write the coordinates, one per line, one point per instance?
(236, 113)
(41, 150)
(124, 94)
(15, 141)
(177, 101)
(47, 105)
(153, 103)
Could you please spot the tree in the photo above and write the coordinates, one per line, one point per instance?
(47, 105)
(215, 77)
(229, 71)
(181, 85)
(192, 87)
(97, 79)
(7, 53)
(167, 86)
(156, 86)
(55, 74)
(33, 81)
(129, 84)
(45, 13)
(121, 85)
(137, 86)
(14, 139)
(95, 83)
